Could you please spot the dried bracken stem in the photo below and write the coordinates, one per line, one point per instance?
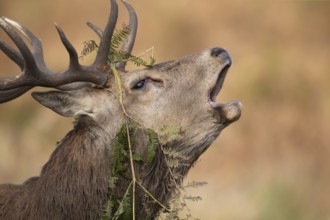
(151, 196)
(151, 49)
(117, 77)
(132, 166)
(128, 188)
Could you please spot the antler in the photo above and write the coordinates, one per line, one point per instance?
(33, 67)
(128, 44)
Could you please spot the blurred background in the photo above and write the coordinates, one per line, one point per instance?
(270, 165)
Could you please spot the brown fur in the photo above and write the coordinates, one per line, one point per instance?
(68, 185)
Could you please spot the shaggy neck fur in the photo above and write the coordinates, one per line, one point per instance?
(74, 183)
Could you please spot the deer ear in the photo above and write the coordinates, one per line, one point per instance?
(66, 104)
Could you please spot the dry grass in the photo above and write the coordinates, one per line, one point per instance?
(273, 163)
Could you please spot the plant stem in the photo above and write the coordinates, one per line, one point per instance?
(117, 77)
(121, 202)
(151, 196)
(113, 68)
(132, 165)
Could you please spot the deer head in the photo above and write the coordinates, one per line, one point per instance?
(180, 92)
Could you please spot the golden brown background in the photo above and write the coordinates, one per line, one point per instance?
(271, 165)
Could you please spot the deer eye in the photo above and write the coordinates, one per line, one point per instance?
(140, 84)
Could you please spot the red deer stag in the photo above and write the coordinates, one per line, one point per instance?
(177, 96)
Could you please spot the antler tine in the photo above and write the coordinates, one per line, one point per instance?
(102, 54)
(128, 45)
(74, 63)
(24, 50)
(12, 54)
(37, 46)
(8, 83)
(95, 28)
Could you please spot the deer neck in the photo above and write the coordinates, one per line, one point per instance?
(76, 176)
(87, 146)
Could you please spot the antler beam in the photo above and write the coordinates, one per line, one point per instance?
(33, 67)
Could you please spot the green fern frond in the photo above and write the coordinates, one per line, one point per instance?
(108, 208)
(169, 133)
(127, 207)
(151, 148)
(120, 154)
(138, 61)
(193, 198)
(112, 182)
(118, 56)
(107, 212)
(195, 184)
(173, 154)
(152, 61)
(124, 210)
(115, 55)
(119, 36)
(89, 47)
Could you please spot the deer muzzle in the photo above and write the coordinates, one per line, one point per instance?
(231, 111)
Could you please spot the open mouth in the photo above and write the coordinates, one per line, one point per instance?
(217, 87)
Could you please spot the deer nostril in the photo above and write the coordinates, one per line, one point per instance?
(219, 52)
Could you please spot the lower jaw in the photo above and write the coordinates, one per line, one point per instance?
(229, 112)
